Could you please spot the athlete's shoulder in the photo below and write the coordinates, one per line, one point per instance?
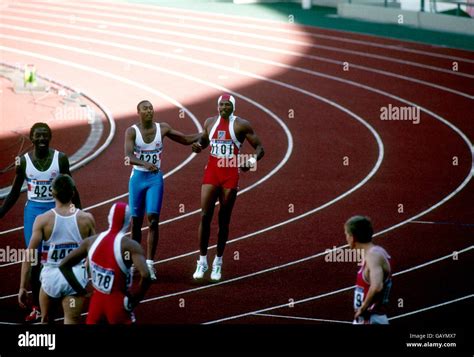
(86, 216)
(210, 121)
(45, 218)
(243, 124)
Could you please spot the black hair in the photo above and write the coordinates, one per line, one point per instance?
(360, 227)
(64, 188)
(143, 101)
(40, 125)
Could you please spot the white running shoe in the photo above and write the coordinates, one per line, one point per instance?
(152, 270)
(201, 268)
(216, 273)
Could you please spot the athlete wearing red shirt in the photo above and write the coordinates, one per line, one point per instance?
(374, 280)
(110, 256)
(225, 135)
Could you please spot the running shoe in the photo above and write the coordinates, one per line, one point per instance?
(201, 268)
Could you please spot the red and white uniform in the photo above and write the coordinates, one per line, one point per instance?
(222, 168)
(109, 274)
(380, 300)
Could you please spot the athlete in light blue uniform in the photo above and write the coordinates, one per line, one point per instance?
(39, 168)
(143, 150)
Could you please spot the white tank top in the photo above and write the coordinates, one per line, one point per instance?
(39, 182)
(65, 238)
(149, 152)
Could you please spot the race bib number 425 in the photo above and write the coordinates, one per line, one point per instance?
(102, 278)
(42, 191)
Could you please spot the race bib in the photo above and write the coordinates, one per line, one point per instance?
(222, 148)
(57, 252)
(358, 297)
(40, 190)
(102, 278)
(152, 157)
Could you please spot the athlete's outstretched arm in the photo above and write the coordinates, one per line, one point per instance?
(71, 260)
(177, 136)
(16, 188)
(64, 169)
(32, 257)
(138, 259)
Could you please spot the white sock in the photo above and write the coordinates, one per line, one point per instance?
(149, 261)
(203, 259)
(217, 261)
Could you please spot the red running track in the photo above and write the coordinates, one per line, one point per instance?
(328, 155)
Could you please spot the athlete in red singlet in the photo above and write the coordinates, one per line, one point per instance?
(225, 135)
(110, 256)
(374, 277)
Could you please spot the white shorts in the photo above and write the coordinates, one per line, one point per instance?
(55, 284)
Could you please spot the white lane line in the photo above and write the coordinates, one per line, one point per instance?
(350, 322)
(448, 223)
(334, 292)
(158, 11)
(433, 307)
(214, 51)
(239, 33)
(304, 318)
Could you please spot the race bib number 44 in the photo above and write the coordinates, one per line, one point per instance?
(102, 278)
(58, 252)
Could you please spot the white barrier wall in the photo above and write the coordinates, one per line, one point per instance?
(424, 20)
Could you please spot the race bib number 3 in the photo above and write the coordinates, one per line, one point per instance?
(102, 278)
(222, 148)
(358, 297)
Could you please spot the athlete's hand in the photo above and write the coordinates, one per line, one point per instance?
(249, 164)
(150, 167)
(22, 297)
(197, 148)
(128, 303)
(358, 313)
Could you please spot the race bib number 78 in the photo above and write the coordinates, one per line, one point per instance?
(102, 278)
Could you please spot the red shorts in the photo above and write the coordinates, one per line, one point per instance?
(226, 177)
(108, 309)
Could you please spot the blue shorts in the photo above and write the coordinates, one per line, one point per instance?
(146, 191)
(31, 211)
